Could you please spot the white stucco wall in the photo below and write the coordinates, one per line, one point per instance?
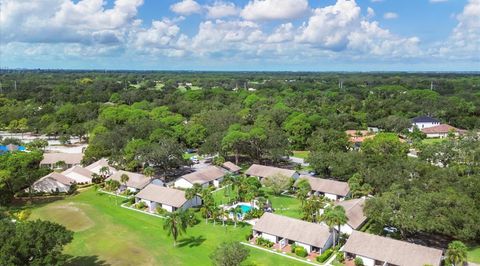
(331, 196)
(367, 261)
(269, 237)
(425, 125)
(183, 183)
(307, 247)
(217, 182)
(346, 229)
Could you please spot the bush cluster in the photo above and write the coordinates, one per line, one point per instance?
(325, 255)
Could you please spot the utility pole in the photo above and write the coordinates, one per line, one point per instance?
(15, 85)
(431, 85)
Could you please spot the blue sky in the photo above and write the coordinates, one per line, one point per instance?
(296, 35)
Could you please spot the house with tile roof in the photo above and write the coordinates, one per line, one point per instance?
(211, 175)
(169, 199)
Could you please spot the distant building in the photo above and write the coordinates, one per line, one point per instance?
(332, 189)
(358, 136)
(231, 167)
(262, 171)
(442, 131)
(70, 159)
(79, 174)
(98, 165)
(135, 183)
(205, 177)
(422, 122)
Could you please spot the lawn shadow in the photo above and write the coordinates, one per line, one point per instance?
(193, 241)
(86, 261)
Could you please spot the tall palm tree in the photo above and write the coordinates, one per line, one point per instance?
(312, 207)
(190, 193)
(124, 179)
(236, 211)
(104, 171)
(456, 253)
(335, 216)
(303, 189)
(176, 224)
(225, 213)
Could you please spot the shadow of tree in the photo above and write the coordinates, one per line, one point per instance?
(193, 241)
(86, 261)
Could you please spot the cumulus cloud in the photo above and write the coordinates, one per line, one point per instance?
(274, 9)
(222, 9)
(186, 7)
(390, 15)
(464, 42)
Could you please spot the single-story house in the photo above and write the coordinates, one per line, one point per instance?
(442, 131)
(231, 167)
(379, 250)
(354, 211)
(262, 171)
(96, 166)
(422, 122)
(332, 189)
(285, 231)
(53, 182)
(135, 183)
(210, 175)
(51, 159)
(170, 199)
(79, 174)
(359, 136)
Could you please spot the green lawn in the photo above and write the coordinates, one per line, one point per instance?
(301, 154)
(474, 254)
(432, 141)
(105, 232)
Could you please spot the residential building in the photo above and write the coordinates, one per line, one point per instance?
(378, 250)
(79, 174)
(354, 211)
(285, 231)
(169, 199)
(358, 136)
(211, 175)
(98, 165)
(53, 182)
(50, 160)
(231, 167)
(332, 189)
(135, 183)
(442, 131)
(262, 171)
(422, 122)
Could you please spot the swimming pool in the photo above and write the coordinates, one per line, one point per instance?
(245, 208)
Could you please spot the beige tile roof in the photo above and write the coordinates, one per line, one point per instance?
(68, 158)
(293, 229)
(60, 178)
(441, 129)
(266, 171)
(231, 167)
(163, 195)
(100, 163)
(328, 186)
(391, 251)
(354, 210)
(135, 180)
(79, 170)
(204, 175)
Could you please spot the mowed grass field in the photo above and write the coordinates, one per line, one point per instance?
(106, 234)
(474, 254)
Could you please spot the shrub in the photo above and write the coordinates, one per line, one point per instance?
(141, 205)
(301, 252)
(248, 237)
(325, 255)
(358, 262)
(341, 257)
(161, 210)
(293, 247)
(131, 201)
(264, 242)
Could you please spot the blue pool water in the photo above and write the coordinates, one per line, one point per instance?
(245, 208)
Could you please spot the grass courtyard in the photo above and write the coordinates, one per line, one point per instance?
(106, 234)
(474, 254)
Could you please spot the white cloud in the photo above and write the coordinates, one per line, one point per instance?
(283, 33)
(370, 12)
(222, 9)
(464, 42)
(390, 15)
(186, 7)
(274, 9)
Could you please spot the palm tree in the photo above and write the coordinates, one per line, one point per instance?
(303, 189)
(124, 179)
(104, 171)
(335, 216)
(236, 211)
(149, 172)
(176, 224)
(456, 253)
(190, 193)
(225, 213)
(312, 207)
